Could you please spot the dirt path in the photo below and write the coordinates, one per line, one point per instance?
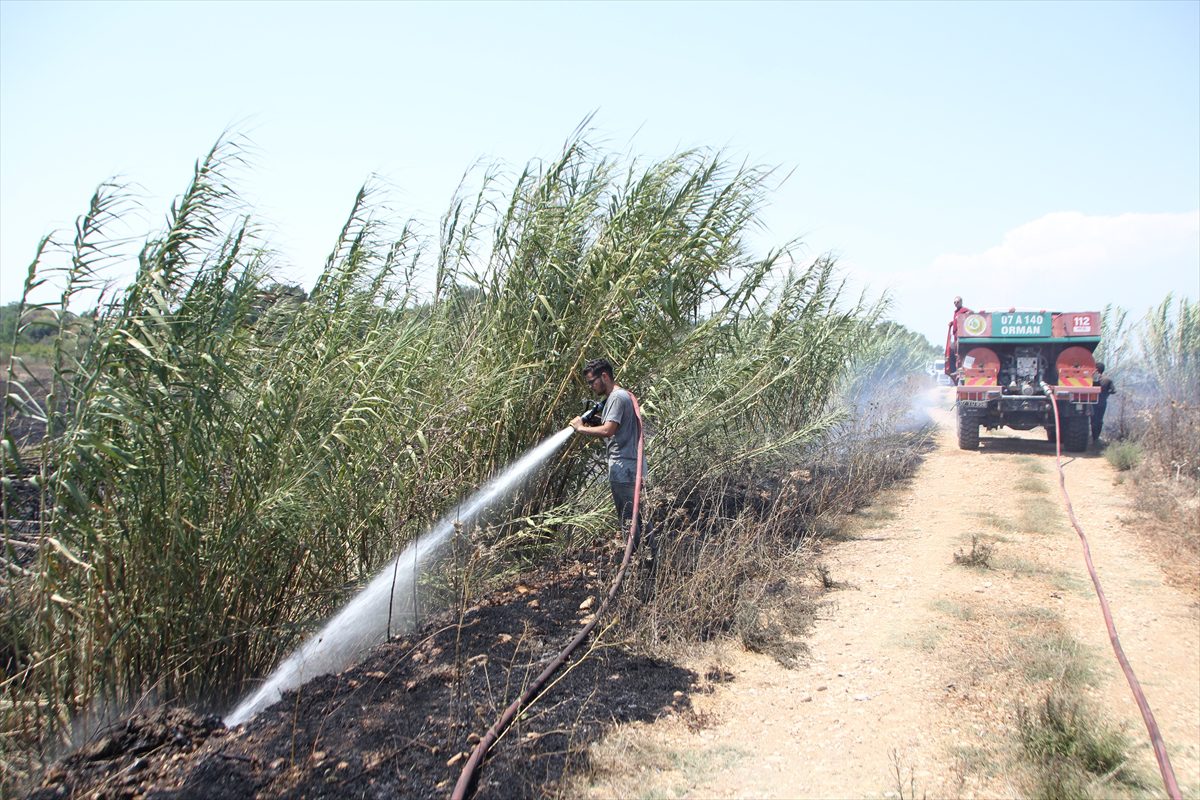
(917, 668)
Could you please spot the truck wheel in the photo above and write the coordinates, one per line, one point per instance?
(968, 431)
(1075, 432)
(1051, 434)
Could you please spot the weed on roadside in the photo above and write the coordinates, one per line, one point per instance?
(960, 611)
(875, 515)
(978, 556)
(1061, 580)
(904, 777)
(1124, 455)
(828, 582)
(1031, 464)
(1049, 653)
(995, 520)
(627, 766)
(1041, 515)
(1032, 485)
(1075, 754)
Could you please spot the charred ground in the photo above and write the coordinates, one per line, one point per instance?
(401, 723)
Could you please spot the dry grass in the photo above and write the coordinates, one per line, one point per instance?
(1032, 465)
(626, 764)
(1042, 515)
(1168, 518)
(1004, 653)
(1074, 753)
(736, 556)
(1031, 485)
(1156, 428)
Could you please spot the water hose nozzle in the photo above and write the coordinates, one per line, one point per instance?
(593, 413)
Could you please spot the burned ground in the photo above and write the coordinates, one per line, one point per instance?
(402, 722)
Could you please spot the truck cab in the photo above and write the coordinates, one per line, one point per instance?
(1004, 364)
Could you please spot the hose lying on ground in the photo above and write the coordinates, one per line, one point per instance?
(466, 780)
(1160, 748)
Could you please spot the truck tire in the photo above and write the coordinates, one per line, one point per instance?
(1075, 431)
(1051, 434)
(968, 431)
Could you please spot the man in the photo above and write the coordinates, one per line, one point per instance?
(959, 309)
(1106, 388)
(951, 356)
(619, 427)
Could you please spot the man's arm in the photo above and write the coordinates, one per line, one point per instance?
(603, 431)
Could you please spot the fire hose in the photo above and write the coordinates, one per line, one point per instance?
(1160, 748)
(464, 787)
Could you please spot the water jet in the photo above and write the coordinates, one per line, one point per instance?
(388, 598)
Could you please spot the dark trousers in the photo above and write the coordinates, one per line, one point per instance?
(1098, 417)
(622, 480)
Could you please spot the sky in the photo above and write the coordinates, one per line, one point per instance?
(1037, 155)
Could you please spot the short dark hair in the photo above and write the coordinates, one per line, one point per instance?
(1099, 366)
(598, 366)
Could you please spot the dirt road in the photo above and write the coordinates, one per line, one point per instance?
(919, 665)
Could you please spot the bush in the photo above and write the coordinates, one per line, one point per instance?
(1123, 455)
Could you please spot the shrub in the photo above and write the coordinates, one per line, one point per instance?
(1123, 455)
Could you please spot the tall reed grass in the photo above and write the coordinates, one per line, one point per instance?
(226, 459)
(1156, 366)
(1154, 420)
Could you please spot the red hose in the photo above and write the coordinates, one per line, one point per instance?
(1160, 748)
(466, 779)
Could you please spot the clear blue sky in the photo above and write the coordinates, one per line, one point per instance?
(1030, 154)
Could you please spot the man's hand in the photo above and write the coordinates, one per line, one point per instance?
(577, 423)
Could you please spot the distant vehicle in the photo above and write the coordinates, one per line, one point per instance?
(937, 372)
(1005, 363)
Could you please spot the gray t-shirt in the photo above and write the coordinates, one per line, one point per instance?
(622, 445)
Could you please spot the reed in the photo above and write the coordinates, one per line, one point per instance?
(1156, 367)
(227, 458)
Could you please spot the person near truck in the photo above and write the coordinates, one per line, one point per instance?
(951, 357)
(1106, 388)
(619, 427)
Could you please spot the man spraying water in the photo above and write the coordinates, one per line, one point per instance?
(619, 428)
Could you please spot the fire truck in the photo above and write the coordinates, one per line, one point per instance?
(1006, 364)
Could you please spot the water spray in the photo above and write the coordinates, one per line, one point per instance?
(388, 603)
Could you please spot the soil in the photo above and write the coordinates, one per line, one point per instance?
(915, 670)
(917, 667)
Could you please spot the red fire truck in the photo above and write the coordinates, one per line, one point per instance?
(1005, 363)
